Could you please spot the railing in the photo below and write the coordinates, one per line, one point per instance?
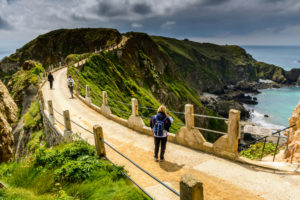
(98, 98)
(67, 118)
(265, 140)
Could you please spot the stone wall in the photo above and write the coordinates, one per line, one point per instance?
(189, 136)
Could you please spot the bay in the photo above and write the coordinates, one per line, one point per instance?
(279, 103)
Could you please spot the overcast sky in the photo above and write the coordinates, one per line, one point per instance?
(242, 22)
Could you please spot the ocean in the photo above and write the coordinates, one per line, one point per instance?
(278, 104)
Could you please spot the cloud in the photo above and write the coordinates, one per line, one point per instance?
(213, 2)
(141, 8)
(136, 25)
(175, 18)
(4, 25)
(168, 24)
(108, 9)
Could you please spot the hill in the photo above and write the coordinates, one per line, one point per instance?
(156, 70)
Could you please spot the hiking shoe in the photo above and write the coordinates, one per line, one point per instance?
(155, 159)
(162, 160)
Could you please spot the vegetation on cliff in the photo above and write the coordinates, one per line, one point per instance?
(68, 171)
(208, 67)
(25, 78)
(51, 48)
(153, 69)
(142, 71)
(254, 152)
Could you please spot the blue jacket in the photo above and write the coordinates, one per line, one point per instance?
(161, 116)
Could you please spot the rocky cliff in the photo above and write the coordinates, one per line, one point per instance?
(8, 115)
(292, 151)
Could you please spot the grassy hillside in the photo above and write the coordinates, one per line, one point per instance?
(51, 48)
(66, 172)
(145, 72)
(208, 67)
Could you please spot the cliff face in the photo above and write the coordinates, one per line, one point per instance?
(8, 115)
(293, 150)
(208, 67)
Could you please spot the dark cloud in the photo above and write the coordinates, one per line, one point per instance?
(213, 2)
(141, 8)
(203, 18)
(4, 25)
(11, 1)
(109, 10)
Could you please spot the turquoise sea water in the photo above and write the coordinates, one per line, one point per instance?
(277, 103)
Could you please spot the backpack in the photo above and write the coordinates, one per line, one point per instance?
(70, 83)
(158, 128)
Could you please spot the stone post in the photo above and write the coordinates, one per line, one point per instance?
(51, 113)
(42, 99)
(233, 131)
(189, 116)
(104, 98)
(68, 129)
(105, 110)
(134, 106)
(99, 141)
(87, 94)
(135, 122)
(190, 188)
(119, 53)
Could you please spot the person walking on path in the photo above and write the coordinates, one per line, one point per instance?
(70, 83)
(160, 125)
(50, 79)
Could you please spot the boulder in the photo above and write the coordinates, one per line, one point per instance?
(292, 75)
(224, 106)
(246, 86)
(28, 64)
(8, 115)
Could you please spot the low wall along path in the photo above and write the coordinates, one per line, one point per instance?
(221, 178)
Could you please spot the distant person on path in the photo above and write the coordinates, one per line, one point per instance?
(50, 79)
(160, 125)
(71, 83)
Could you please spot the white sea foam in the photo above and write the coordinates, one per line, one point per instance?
(259, 119)
(265, 81)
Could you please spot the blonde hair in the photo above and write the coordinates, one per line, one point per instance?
(162, 109)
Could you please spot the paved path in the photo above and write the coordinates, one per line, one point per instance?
(222, 179)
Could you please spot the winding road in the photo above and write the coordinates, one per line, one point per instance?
(222, 179)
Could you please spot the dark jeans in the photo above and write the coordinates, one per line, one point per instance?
(71, 90)
(157, 142)
(51, 84)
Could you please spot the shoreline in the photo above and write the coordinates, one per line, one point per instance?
(245, 100)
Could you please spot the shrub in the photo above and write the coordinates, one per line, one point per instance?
(255, 150)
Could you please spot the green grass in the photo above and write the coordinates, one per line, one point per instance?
(32, 117)
(67, 171)
(255, 150)
(104, 73)
(23, 194)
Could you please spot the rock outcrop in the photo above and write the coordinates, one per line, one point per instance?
(293, 143)
(8, 115)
